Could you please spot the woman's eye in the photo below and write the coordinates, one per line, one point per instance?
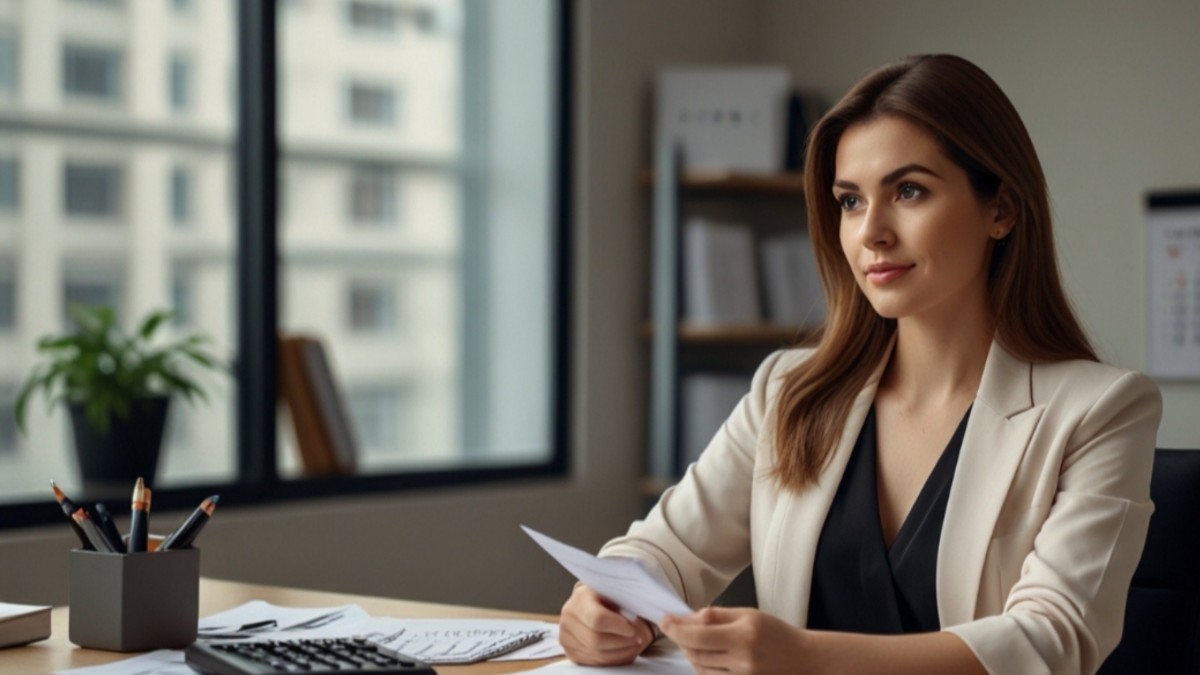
(910, 191)
(848, 202)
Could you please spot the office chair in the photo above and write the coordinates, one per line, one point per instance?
(1162, 618)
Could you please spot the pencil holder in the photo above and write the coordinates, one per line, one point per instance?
(135, 601)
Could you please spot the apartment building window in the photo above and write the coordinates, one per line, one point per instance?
(92, 72)
(373, 17)
(10, 184)
(9, 434)
(181, 196)
(376, 415)
(372, 105)
(373, 196)
(93, 190)
(372, 306)
(8, 62)
(91, 293)
(180, 83)
(183, 297)
(8, 301)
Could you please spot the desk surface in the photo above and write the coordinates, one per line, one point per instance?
(58, 653)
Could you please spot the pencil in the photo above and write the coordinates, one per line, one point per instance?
(186, 534)
(68, 507)
(139, 518)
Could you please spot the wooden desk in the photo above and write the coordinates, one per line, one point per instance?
(58, 653)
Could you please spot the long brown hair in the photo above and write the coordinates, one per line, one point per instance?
(979, 129)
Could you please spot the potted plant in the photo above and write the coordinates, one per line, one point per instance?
(117, 388)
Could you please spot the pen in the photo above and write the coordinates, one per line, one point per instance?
(139, 518)
(68, 507)
(104, 523)
(186, 534)
(89, 528)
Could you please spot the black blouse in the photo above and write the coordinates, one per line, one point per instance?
(861, 586)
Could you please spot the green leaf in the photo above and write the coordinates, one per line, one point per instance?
(153, 321)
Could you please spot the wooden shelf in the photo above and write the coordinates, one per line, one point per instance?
(784, 184)
(759, 334)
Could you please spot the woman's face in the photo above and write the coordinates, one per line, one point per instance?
(913, 232)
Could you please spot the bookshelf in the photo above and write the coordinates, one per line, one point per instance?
(679, 348)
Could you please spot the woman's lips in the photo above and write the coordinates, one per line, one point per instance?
(886, 273)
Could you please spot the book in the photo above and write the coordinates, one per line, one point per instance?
(323, 433)
(22, 624)
(791, 283)
(720, 274)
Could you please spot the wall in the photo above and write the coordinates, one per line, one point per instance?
(1108, 91)
(463, 545)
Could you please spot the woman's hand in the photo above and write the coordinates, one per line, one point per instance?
(594, 633)
(739, 641)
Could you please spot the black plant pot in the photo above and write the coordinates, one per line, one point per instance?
(130, 448)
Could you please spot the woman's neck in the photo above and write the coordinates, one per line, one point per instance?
(938, 363)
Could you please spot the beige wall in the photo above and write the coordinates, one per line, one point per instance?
(1109, 91)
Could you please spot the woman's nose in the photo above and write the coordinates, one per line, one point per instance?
(875, 230)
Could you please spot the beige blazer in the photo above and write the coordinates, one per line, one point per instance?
(1045, 523)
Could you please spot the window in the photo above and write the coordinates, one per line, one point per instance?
(181, 196)
(181, 6)
(92, 293)
(92, 73)
(180, 85)
(8, 301)
(373, 197)
(372, 105)
(9, 434)
(372, 306)
(8, 63)
(446, 333)
(376, 414)
(10, 184)
(182, 297)
(377, 17)
(93, 190)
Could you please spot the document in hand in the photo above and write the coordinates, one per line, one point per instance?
(622, 580)
(22, 624)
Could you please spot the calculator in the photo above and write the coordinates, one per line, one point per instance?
(345, 656)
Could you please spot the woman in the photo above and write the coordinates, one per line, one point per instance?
(948, 480)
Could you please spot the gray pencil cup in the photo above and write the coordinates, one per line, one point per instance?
(135, 601)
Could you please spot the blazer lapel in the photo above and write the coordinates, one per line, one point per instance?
(1002, 421)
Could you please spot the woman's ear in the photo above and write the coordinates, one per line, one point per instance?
(1004, 213)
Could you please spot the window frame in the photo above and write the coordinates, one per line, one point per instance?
(257, 160)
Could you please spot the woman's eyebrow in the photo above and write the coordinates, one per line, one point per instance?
(891, 177)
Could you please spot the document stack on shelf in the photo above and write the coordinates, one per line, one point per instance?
(791, 280)
(22, 624)
(324, 432)
(719, 274)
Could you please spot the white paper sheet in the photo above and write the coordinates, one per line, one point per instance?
(161, 662)
(656, 661)
(446, 641)
(263, 621)
(622, 580)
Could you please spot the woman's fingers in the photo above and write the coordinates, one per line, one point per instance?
(592, 632)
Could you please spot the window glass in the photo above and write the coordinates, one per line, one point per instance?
(8, 62)
(180, 83)
(80, 165)
(371, 16)
(9, 437)
(372, 104)
(93, 190)
(8, 299)
(440, 332)
(373, 197)
(92, 72)
(181, 196)
(9, 184)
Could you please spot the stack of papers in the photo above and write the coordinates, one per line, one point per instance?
(436, 641)
(22, 624)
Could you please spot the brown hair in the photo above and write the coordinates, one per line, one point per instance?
(980, 131)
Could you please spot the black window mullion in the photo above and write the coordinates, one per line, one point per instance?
(257, 157)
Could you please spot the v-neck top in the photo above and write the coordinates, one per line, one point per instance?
(859, 584)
